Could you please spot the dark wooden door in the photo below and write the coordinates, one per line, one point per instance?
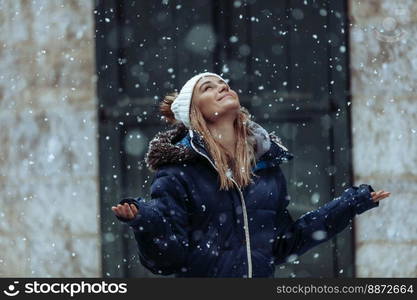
(286, 59)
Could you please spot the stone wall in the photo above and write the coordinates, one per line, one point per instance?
(49, 223)
(384, 121)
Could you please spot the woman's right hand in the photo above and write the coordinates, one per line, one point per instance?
(125, 211)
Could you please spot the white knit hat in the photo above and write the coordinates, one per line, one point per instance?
(181, 105)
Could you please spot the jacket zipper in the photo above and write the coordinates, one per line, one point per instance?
(245, 214)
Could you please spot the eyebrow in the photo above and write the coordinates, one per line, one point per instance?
(209, 81)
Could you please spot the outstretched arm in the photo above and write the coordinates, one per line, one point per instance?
(160, 225)
(318, 226)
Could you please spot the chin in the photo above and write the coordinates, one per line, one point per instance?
(229, 112)
(233, 106)
(232, 110)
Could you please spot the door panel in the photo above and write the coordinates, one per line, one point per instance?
(286, 59)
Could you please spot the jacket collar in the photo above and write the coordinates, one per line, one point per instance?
(180, 145)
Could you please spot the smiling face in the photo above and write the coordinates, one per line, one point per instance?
(215, 99)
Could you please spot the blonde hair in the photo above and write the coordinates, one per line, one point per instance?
(240, 162)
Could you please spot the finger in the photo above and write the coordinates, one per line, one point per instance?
(134, 209)
(385, 195)
(374, 196)
(382, 196)
(120, 210)
(127, 210)
(115, 209)
(377, 194)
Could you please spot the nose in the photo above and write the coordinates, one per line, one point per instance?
(223, 87)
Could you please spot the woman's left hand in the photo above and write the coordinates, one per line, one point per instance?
(376, 196)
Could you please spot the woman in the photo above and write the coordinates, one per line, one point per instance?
(219, 199)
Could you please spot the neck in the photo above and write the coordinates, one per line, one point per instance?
(224, 133)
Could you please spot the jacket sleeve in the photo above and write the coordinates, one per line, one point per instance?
(161, 225)
(318, 226)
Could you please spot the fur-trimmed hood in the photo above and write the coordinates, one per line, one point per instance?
(174, 147)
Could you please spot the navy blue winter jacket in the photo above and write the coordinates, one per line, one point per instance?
(191, 229)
